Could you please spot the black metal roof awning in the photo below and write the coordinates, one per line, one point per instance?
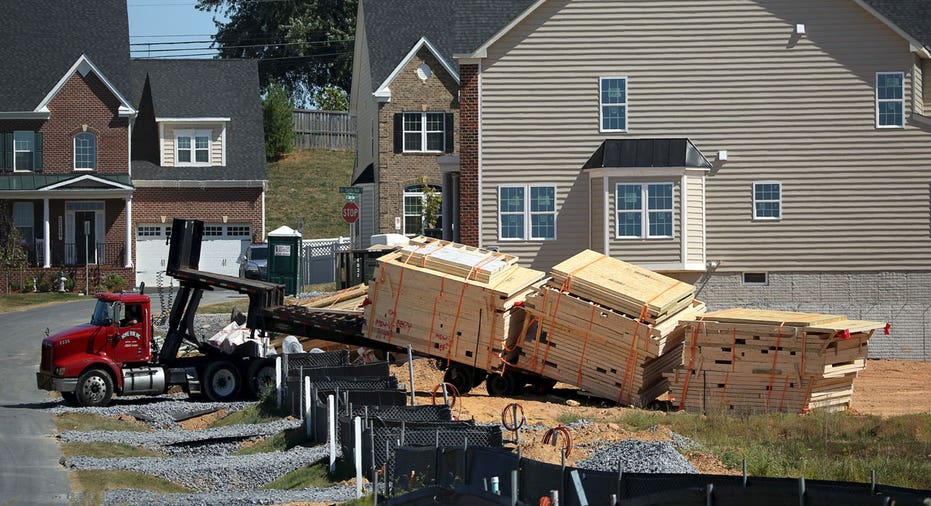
(366, 176)
(641, 153)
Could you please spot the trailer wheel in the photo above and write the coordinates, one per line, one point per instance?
(500, 385)
(459, 376)
(261, 377)
(222, 382)
(95, 387)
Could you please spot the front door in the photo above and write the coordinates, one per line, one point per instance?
(85, 241)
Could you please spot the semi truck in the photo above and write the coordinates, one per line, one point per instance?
(116, 352)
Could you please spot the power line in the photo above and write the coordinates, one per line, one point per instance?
(271, 58)
(312, 42)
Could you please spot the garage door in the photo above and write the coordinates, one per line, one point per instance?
(221, 247)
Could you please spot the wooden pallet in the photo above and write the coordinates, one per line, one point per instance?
(457, 259)
(624, 287)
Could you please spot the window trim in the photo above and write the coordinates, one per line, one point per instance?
(193, 134)
(755, 201)
(644, 210)
(33, 151)
(625, 104)
(887, 100)
(74, 146)
(527, 213)
(424, 132)
(409, 192)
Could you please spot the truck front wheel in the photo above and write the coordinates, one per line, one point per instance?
(222, 382)
(95, 387)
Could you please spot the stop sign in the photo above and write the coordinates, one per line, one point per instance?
(350, 212)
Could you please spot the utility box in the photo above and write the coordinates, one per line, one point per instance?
(284, 259)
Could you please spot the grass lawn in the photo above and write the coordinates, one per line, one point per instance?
(304, 185)
(94, 482)
(85, 422)
(106, 449)
(18, 301)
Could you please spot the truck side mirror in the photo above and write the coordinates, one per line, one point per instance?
(117, 313)
(241, 259)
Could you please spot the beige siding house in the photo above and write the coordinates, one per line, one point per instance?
(810, 188)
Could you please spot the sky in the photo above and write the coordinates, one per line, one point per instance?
(153, 23)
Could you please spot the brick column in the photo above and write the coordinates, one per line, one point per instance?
(468, 153)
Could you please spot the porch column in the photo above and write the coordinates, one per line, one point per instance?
(46, 233)
(129, 231)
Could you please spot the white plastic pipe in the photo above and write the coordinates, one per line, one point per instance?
(278, 381)
(307, 407)
(357, 454)
(331, 429)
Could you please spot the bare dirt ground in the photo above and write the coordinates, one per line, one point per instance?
(885, 388)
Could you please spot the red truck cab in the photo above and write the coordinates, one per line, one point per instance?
(85, 363)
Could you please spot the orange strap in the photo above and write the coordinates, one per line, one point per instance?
(630, 355)
(536, 344)
(563, 288)
(452, 336)
(805, 407)
(433, 317)
(734, 351)
(772, 371)
(785, 387)
(633, 360)
(591, 321)
(643, 310)
(688, 371)
(397, 293)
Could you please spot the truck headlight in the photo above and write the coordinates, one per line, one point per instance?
(59, 371)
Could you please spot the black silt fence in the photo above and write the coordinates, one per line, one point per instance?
(377, 399)
(295, 361)
(327, 385)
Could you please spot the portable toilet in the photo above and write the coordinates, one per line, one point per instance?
(284, 259)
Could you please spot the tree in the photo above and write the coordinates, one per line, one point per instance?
(12, 255)
(277, 111)
(305, 45)
(331, 98)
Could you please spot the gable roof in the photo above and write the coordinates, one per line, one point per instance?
(393, 28)
(84, 66)
(911, 19)
(33, 62)
(912, 16)
(214, 90)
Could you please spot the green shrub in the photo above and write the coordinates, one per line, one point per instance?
(43, 282)
(277, 112)
(114, 283)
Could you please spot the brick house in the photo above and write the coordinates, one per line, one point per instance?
(405, 98)
(100, 152)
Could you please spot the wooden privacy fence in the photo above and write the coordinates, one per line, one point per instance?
(324, 129)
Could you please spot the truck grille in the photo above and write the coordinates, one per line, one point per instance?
(46, 364)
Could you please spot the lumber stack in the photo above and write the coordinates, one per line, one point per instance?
(447, 300)
(757, 361)
(607, 326)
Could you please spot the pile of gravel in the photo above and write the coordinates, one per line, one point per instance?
(636, 456)
(327, 495)
(157, 411)
(210, 473)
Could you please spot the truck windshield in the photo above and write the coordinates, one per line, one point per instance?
(259, 253)
(103, 314)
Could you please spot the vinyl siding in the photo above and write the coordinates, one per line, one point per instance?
(216, 143)
(730, 75)
(918, 86)
(695, 226)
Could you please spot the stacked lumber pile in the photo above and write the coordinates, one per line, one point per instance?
(756, 361)
(447, 300)
(348, 299)
(607, 326)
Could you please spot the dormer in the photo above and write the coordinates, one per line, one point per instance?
(192, 142)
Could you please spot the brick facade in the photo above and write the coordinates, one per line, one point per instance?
(397, 170)
(468, 153)
(239, 205)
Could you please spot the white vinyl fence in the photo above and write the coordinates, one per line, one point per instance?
(318, 261)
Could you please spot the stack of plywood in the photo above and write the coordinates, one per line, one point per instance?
(447, 300)
(757, 361)
(607, 326)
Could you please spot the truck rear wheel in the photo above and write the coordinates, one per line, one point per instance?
(261, 377)
(459, 376)
(222, 382)
(500, 385)
(95, 388)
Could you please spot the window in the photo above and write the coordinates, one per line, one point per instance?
(24, 148)
(414, 215)
(192, 147)
(23, 220)
(644, 207)
(423, 131)
(527, 212)
(767, 201)
(239, 231)
(213, 230)
(755, 278)
(890, 99)
(613, 104)
(85, 151)
(148, 231)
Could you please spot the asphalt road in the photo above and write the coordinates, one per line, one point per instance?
(29, 469)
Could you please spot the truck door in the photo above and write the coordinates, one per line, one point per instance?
(131, 340)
